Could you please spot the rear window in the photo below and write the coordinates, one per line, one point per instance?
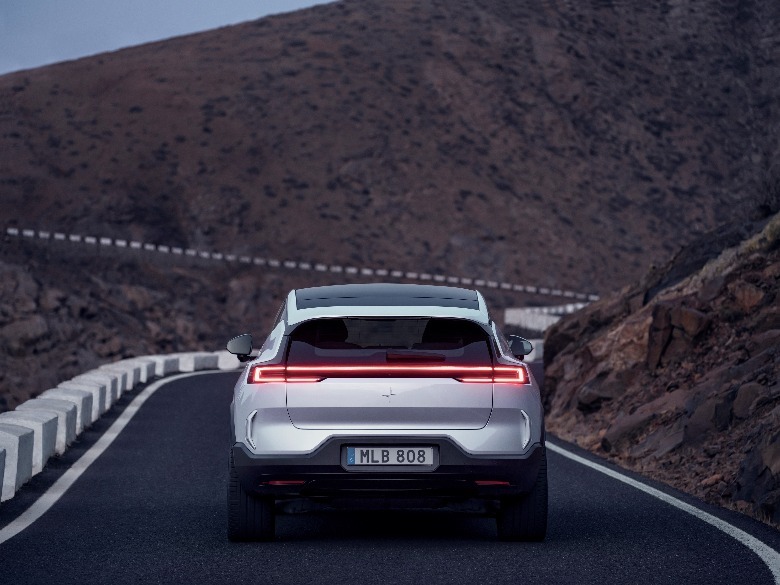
(401, 341)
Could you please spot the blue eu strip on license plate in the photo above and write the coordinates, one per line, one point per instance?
(350, 456)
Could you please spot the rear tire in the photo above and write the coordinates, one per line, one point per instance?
(524, 518)
(249, 517)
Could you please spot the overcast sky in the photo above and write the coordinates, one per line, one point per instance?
(40, 32)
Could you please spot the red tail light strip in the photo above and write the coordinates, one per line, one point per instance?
(468, 374)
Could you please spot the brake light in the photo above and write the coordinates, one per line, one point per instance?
(470, 374)
(270, 374)
(510, 375)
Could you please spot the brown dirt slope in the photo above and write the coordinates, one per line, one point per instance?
(678, 376)
(557, 143)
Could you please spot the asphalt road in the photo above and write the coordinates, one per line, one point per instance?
(151, 509)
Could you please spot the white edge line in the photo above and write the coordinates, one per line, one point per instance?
(67, 479)
(766, 553)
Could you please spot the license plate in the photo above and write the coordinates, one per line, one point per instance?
(413, 456)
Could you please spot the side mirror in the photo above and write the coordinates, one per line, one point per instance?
(520, 346)
(241, 347)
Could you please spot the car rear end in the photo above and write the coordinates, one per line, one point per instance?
(381, 404)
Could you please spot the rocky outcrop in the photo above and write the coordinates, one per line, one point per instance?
(679, 377)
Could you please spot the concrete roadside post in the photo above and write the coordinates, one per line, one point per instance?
(111, 382)
(66, 418)
(97, 389)
(164, 365)
(44, 427)
(192, 362)
(145, 367)
(81, 398)
(18, 444)
(227, 361)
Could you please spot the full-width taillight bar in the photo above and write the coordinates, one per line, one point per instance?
(471, 374)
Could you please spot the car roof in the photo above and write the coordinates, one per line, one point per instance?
(385, 300)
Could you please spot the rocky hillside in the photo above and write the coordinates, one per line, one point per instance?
(564, 144)
(678, 376)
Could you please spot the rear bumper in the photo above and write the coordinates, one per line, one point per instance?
(322, 473)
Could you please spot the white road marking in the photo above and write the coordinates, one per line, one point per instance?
(766, 553)
(46, 500)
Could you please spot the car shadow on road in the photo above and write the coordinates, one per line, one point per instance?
(396, 523)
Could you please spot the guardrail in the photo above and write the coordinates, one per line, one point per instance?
(47, 424)
(539, 318)
(176, 251)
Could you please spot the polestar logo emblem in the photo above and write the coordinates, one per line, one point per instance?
(389, 393)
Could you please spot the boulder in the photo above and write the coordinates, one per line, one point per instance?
(748, 296)
(625, 427)
(758, 479)
(661, 441)
(659, 335)
(746, 396)
(691, 321)
(18, 337)
(713, 414)
(603, 387)
(764, 340)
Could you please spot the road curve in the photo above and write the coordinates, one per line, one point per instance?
(151, 509)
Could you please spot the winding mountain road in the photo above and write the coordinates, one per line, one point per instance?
(151, 509)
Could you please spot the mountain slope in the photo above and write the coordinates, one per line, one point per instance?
(563, 144)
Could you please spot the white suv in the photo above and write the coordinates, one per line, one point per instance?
(386, 390)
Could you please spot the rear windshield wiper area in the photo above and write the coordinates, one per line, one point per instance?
(414, 356)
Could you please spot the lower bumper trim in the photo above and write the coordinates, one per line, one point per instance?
(321, 473)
